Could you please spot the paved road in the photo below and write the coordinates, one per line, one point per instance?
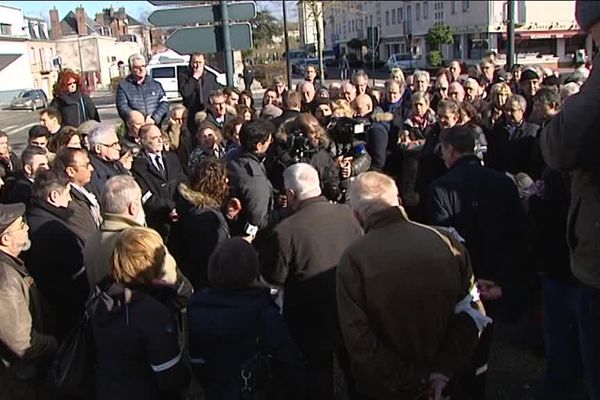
(16, 123)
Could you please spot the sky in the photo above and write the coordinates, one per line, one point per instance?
(134, 8)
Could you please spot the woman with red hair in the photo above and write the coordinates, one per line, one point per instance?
(74, 105)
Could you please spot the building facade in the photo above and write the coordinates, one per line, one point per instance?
(310, 19)
(94, 47)
(42, 55)
(15, 71)
(478, 27)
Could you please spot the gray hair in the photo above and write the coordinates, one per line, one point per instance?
(135, 57)
(569, 89)
(303, 179)
(177, 107)
(98, 134)
(517, 98)
(372, 192)
(119, 192)
(419, 73)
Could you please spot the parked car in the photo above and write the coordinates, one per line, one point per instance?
(404, 61)
(29, 100)
(167, 75)
(329, 57)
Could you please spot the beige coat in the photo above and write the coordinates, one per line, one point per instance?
(99, 246)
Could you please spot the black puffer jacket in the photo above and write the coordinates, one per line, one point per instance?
(75, 108)
(137, 343)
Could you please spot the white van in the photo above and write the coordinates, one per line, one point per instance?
(167, 74)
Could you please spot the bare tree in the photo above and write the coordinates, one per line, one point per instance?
(316, 10)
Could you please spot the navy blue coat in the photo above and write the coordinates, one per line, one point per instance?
(223, 327)
(149, 98)
(483, 206)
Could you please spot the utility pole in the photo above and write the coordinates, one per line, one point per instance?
(227, 42)
(287, 47)
(510, 25)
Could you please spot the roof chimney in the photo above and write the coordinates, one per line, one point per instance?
(55, 24)
(81, 20)
(99, 18)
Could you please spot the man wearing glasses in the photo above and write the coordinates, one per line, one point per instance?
(104, 157)
(140, 92)
(22, 338)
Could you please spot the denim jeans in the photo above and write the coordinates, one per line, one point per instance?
(572, 339)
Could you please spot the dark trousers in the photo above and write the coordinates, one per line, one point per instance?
(572, 339)
(321, 369)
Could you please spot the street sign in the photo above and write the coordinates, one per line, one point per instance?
(204, 14)
(209, 39)
(372, 36)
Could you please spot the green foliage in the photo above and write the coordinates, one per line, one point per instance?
(438, 35)
(435, 59)
(264, 27)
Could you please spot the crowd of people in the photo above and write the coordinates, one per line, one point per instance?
(379, 231)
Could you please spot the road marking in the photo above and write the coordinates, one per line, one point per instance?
(12, 132)
(10, 127)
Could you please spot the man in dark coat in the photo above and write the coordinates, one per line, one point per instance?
(158, 173)
(86, 216)
(511, 141)
(24, 342)
(403, 299)
(104, 157)
(377, 135)
(18, 187)
(248, 178)
(301, 257)
(570, 143)
(195, 87)
(55, 259)
(140, 92)
(9, 162)
(292, 104)
(483, 206)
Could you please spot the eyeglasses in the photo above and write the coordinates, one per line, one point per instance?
(22, 226)
(72, 83)
(39, 144)
(139, 67)
(443, 89)
(111, 145)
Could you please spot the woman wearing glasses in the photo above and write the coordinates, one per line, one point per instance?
(71, 101)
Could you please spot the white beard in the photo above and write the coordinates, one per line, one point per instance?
(26, 246)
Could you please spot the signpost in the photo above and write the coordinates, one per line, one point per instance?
(373, 41)
(214, 31)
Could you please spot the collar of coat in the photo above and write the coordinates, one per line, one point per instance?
(385, 217)
(306, 203)
(116, 223)
(43, 207)
(14, 262)
(467, 159)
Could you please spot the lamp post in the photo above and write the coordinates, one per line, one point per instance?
(287, 46)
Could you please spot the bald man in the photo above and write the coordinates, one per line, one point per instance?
(378, 132)
(363, 105)
(456, 91)
(135, 121)
(348, 92)
(307, 92)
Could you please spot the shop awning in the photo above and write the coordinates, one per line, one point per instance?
(545, 34)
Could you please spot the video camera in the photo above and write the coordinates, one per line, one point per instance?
(299, 146)
(344, 132)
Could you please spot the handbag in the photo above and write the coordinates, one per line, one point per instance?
(256, 372)
(74, 367)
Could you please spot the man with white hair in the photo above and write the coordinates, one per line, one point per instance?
(301, 256)
(401, 290)
(104, 150)
(138, 91)
(307, 91)
(122, 208)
